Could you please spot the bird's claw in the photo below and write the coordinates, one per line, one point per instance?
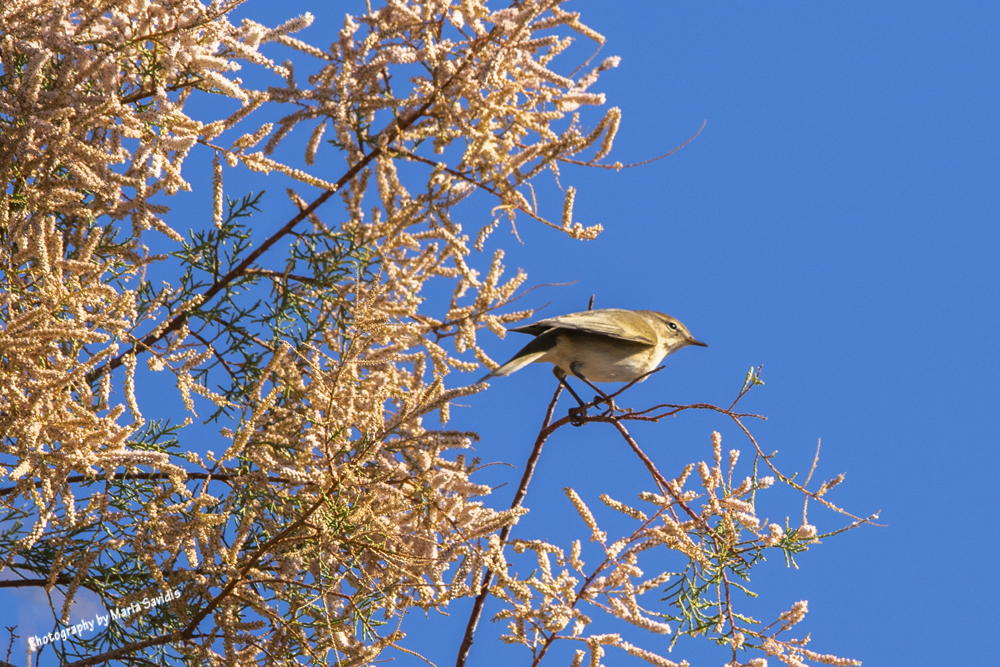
(610, 402)
(577, 416)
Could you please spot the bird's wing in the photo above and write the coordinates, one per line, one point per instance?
(598, 322)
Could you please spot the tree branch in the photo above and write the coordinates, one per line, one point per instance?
(522, 491)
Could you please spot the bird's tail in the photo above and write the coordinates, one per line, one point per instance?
(515, 364)
(530, 353)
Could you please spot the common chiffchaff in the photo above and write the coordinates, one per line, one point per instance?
(609, 345)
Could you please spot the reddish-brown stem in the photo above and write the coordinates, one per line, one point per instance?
(729, 612)
(522, 490)
(661, 481)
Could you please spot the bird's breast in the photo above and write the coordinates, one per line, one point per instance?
(603, 359)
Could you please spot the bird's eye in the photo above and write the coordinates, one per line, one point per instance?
(673, 326)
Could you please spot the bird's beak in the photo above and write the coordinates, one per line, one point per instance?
(692, 341)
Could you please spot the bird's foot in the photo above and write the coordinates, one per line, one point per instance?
(610, 402)
(577, 416)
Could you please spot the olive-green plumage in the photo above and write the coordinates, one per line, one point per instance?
(609, 345)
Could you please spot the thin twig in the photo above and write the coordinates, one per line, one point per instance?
(279, 275)
(661, 481)
(635, 164)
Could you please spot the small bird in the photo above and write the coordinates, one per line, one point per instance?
(607, 345)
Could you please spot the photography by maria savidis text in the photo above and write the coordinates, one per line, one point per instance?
(102, 620)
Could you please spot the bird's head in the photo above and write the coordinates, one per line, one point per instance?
(671, 332)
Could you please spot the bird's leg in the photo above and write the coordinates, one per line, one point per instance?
(576, 415)
(603, 398)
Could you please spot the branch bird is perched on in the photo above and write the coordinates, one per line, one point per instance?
(609, 345)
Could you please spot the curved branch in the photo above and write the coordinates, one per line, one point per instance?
(522, 491)
(616, 167)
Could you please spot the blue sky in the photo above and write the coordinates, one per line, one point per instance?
(837, 222)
